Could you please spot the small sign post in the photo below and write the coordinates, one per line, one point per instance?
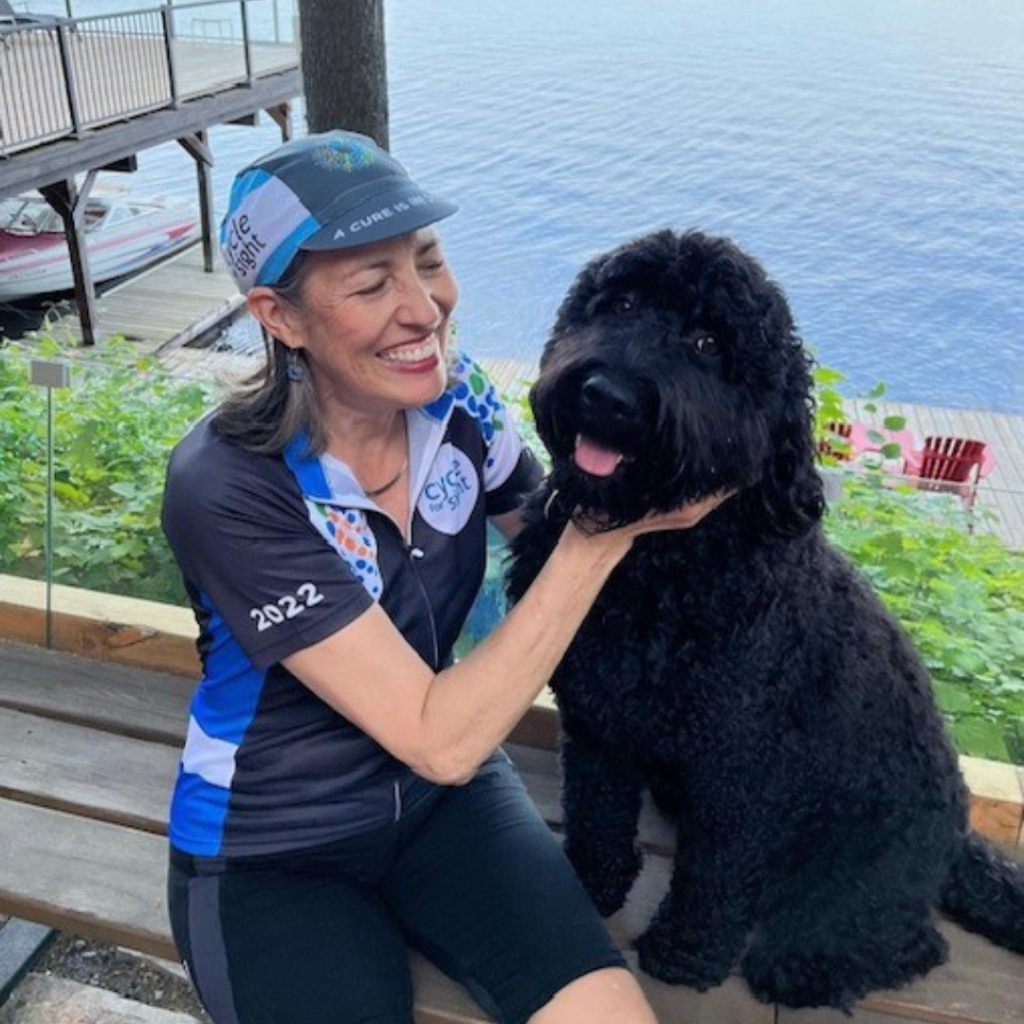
(49, 374)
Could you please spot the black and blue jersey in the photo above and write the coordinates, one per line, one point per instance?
(279, 552)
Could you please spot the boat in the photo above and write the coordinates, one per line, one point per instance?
(123, 234)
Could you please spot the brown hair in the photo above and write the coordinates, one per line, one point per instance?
(270, 407)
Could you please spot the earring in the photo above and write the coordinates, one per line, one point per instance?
(294, 369)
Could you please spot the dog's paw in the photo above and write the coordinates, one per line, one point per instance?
(669, 954)
(607, 870)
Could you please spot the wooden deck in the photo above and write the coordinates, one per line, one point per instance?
(115, 76)
(1000, 503)
(88, 752)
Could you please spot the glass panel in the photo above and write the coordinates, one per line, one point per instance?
(490, 603)
(74, 556)
(113, 428)
(208, 49)
(113, 431)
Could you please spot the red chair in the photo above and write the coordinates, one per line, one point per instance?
(837, 444)
(954, 465)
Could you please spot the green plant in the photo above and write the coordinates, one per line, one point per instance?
(113, 429)
(959, 595)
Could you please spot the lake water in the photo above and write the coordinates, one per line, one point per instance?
(869, 152)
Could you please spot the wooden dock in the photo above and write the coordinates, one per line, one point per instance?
(1001, 493)
(171, 304)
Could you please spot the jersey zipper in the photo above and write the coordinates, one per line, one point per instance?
(415, 554)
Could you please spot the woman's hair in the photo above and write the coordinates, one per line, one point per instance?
(270, 407)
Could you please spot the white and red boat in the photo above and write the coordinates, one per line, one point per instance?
(123, 234)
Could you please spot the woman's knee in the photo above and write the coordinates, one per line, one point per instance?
(607, 996)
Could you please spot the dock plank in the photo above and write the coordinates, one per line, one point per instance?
(162, 305)
(84, 771)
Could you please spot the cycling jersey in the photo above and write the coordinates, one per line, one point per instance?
(278, 553)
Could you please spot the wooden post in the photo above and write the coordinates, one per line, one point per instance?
(167, 17)
(197, 146)
(70, 202)
(70, 82)
(246, 43)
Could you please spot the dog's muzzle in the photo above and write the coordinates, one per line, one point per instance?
(608, 418)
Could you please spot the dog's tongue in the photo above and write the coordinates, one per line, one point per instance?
(594, 459)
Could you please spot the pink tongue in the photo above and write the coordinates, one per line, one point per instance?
(593, 459)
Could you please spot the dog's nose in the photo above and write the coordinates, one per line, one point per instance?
(601, 396)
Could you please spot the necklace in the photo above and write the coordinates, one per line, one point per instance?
(391, 483)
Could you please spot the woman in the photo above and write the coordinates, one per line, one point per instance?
(342, 791)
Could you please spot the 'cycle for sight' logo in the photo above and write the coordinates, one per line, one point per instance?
(450, 494)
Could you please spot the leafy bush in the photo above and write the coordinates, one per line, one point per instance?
(113, 430)
(960, 596)
(958, 593)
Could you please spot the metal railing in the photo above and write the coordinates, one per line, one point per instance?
(60, 77)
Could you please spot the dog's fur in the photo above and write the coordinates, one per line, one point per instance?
(742, 671)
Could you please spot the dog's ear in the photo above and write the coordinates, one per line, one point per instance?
(789, 499)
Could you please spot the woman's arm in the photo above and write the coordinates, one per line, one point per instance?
(443, 725)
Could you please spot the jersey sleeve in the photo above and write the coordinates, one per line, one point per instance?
(240, 532)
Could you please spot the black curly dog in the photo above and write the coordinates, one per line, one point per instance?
(742, 671)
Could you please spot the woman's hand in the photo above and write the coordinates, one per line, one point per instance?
(683, 518)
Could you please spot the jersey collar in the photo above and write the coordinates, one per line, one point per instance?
(330, 481)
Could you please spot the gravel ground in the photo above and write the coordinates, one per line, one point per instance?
(126, 974)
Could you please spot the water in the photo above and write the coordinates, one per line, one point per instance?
(869, 152)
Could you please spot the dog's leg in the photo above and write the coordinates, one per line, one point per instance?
(697, 934)
(601, 796)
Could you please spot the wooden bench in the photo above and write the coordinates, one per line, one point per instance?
(88, 752)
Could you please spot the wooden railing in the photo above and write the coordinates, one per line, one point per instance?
(61, 77)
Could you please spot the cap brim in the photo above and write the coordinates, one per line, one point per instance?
(396, 210)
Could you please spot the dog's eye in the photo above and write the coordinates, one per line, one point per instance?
(620, 304)
(707, 345)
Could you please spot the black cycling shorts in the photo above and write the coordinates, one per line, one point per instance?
(471, 876)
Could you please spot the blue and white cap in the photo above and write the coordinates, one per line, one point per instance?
(335, 190)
